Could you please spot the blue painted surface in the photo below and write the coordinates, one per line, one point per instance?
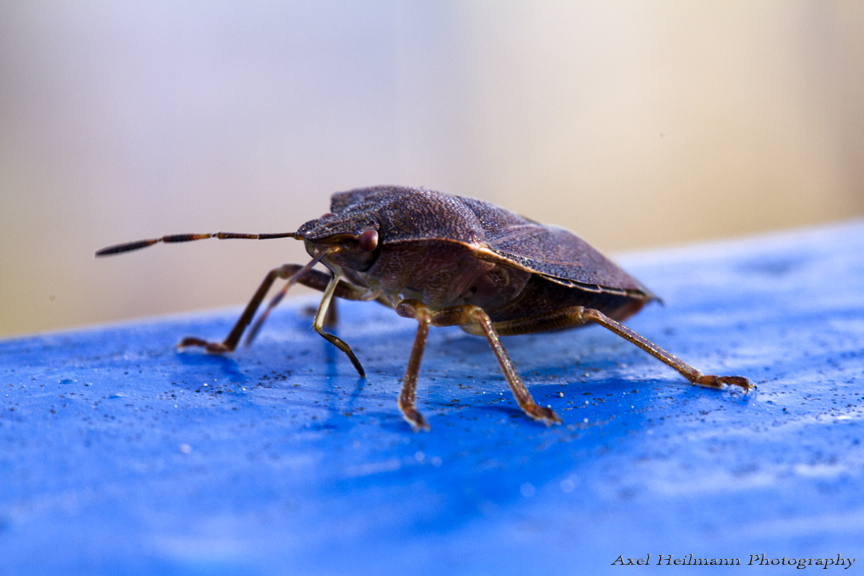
(121, 455)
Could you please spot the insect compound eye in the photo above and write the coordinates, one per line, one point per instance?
(326, 215)
(369, 240)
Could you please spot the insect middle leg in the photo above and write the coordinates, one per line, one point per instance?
(577, 315)
(455, 316)
(407, 397)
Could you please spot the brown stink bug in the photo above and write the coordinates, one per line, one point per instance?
(451, 261)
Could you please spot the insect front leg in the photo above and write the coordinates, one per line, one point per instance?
(318, 281)
(311, 278)
(230, 343)
(319, 323)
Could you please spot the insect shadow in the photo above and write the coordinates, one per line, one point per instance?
(227, 366)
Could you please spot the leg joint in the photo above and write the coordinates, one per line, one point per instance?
(414, 309)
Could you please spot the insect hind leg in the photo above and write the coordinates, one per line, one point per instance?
(689, 372)
(579, 315)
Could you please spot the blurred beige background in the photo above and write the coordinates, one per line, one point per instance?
(635, 124)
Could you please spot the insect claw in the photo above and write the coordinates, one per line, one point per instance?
(718, 381)
(738, 381)
(416, 420)
(542, 414)
(356, 363)
(191, 341)
(210, 347)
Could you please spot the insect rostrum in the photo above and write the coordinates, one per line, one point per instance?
(451, 261)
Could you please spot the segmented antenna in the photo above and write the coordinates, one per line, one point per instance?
(171, 238)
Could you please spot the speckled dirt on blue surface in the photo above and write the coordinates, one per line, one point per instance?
(121, 455)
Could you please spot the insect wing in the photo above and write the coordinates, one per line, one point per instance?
(550, 251)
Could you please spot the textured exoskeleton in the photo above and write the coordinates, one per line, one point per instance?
(449, 260)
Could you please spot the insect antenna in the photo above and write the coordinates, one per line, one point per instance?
(253, 331)
(171, 238)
